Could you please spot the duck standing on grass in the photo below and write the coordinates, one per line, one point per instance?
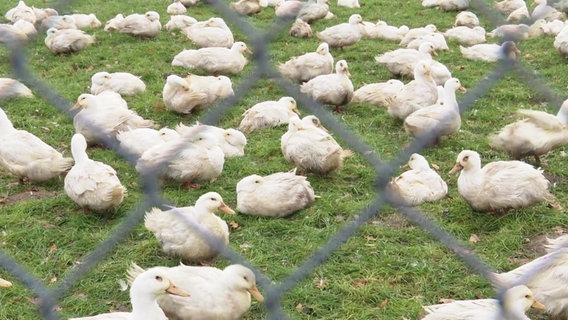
(535, 135)
(501, 185)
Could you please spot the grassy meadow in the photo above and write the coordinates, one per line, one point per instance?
(387, 269)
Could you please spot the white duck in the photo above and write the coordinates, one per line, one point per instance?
(25, 27)
(314, 10)
(536, 134)
(519, 14)
(388, 32)
(195, 233)
(546, 276)
(500, 185)
(214, 293)
(467, 19)
(545, 11)
(5, 283)
(276, 195)
(553, 244)
(103, 116)
(138, 140)
(124, 83)
(419, 184)
(344, 34)
(335, 89)
(289, 8)
(508, 6)
(83, 20)
(436, 38)
(178, 96)
(516, 301)
(453, 5)
(231, 141)
(309, 65)
(442, 119)
(213, 32)
(215, 88)
(21, 11)
(91, 184)
(301, 29)
(146, 289)
(59, 22)
(269, 114)
(140, 25)
(561, 42)
(114, 23)
(401, 62)
(348, 3)
(311, 148)
(377, 94)
(27, 156)
(418, 93)
(67, 40)
(417, 32)
(465, 35)
(176, 8)
(214, 60)
(246, 7)
(179, 22)
(12, 88)
(194, 157)
(490, 52)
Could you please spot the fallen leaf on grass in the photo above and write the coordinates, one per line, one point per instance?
(302, 309)
(53, 279)
(52, 249)
(360, 283)
(384, 303)
(234, 225)
(473, 238)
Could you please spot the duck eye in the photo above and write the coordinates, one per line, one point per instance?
(528, 296)
(213, 199)
(159, 278)
(465, 158)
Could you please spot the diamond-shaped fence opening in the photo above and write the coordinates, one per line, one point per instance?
(263, 68)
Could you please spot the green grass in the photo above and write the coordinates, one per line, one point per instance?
(386, 270)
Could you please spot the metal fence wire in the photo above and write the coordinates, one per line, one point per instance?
(48, 297)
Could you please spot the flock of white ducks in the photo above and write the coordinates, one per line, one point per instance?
(306, 144)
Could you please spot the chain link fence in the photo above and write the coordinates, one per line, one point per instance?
(48, 297)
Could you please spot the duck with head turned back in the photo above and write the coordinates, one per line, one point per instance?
(269, 114)
(501, 185)
(334, 89)
(140, 25)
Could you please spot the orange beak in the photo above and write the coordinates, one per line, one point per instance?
(456, 168)
(225, 208)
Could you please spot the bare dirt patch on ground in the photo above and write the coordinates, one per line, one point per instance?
(8, 200)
